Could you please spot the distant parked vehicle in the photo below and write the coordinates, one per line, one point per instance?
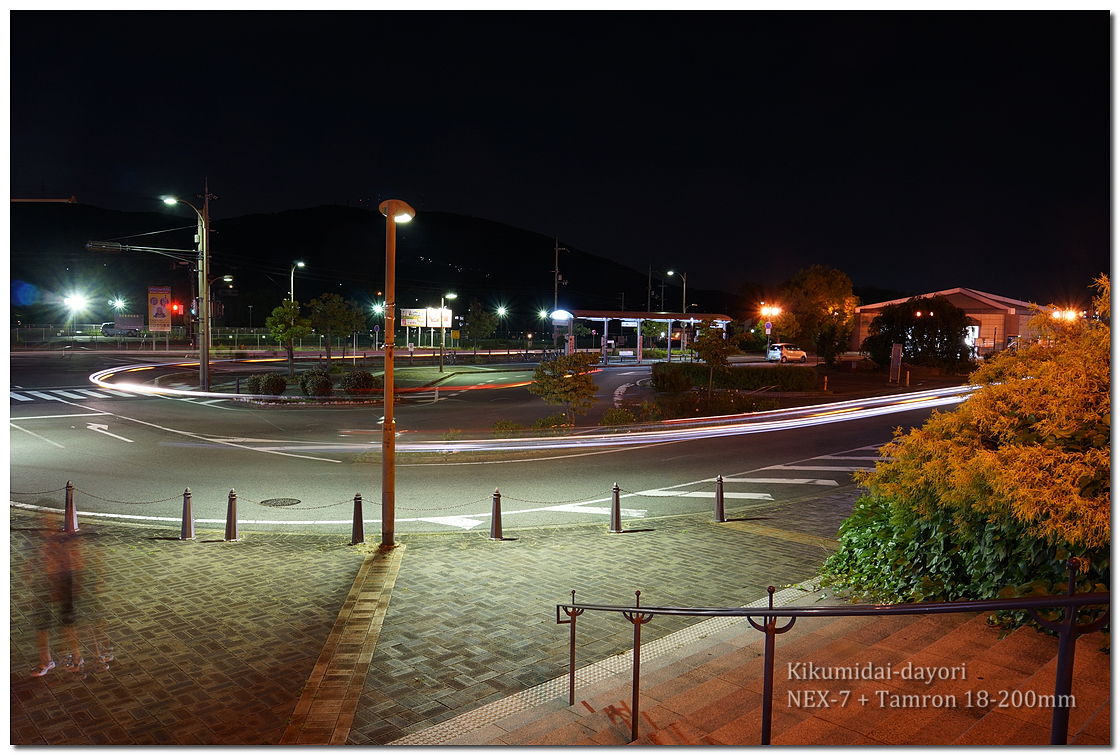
(784, 352)
(111, 329)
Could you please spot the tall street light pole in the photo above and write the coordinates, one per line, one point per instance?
(395, 211)
(292, 280)
(684, 308)
(443, 330)
(203, 283)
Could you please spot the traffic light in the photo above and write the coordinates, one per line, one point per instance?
(176, 309)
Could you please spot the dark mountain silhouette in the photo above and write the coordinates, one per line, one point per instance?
(344, 248)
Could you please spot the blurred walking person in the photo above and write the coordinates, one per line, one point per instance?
(62, 568)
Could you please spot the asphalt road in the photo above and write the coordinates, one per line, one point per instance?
(133, 457)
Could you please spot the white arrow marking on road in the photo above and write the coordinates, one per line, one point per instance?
(778, 481)
(452, 521)
(837, 468)
(104, 430)
(704, 494)
(581, 508)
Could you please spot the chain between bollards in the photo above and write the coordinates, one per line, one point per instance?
(231, 517)
(70, 517)
(496, 516)
(187, 531)
(721, 515)
(358, 530)
(616, 510)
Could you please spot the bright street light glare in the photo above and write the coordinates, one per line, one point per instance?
(543, 314)
(170, 200)
(451, 296)
(403, 217)
(75, 301)
(118, 303)
(378, 308)
(501, 311)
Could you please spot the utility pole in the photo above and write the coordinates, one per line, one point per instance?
(649, 287)
(556, 249)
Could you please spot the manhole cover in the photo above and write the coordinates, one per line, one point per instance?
(280, 502)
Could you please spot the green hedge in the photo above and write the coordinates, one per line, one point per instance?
(889, 553)
(674, 376)
(266, 384)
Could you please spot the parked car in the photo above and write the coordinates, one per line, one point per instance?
(111, 329)
(784, 352)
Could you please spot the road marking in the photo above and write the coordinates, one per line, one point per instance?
(46, 396)
(37, 435)
(56, 416)
(583, 508)
(779, 480)
(104, 430)
(837, 468)
(855, 458)
(95, 394)
(68, 394)
(452, 521)
(18, 397)
(704, 494)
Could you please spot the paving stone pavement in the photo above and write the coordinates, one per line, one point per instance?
(213, 642)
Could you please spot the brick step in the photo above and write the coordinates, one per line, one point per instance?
(712, 695)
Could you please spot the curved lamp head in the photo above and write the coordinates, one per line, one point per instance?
(561, 315)
(170, 200)
(397, 209)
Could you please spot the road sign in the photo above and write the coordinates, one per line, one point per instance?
(768, 326)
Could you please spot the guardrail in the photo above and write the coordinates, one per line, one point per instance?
(1068, 630)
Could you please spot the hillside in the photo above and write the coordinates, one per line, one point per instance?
(344, 251)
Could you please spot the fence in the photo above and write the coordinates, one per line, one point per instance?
(1068, 630)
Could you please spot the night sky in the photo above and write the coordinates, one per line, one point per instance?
(914, 151)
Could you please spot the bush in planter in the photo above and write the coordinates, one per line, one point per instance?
(266, 384)
(617, 416)
(315, 382)
(360, 383)
(551, 422)
(504, 428)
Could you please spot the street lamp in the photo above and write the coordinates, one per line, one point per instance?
(768, 312)
(684, 308)
(395, 211)
(118, 304)
(292, 279)
(442, 329)
(203, 285)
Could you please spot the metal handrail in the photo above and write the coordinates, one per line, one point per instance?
(1068, 631)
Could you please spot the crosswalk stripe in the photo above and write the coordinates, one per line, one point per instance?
(69, 394)
(18, 397)
(95, 394)
(46, 396)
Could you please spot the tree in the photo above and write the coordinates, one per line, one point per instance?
(820, 299)
(480, 322)
(931, 331)
(993, 496)
(714, 348)
(286, 325)
(566, 380)
(330, 313)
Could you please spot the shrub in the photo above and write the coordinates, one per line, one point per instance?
(314, 375)
(318, 385)
(504, 428)
(266, 384)
(617, 416)
(649, 411)
(360, 383)
(949, 555)
(698, 404)
(551, 422)
(669, 376)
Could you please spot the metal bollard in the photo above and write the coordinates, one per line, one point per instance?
(231, 517)
(70, 516)
(908, 378)
(825, 388)
(496, 516)
(187, 531)
(721, 516)
(616, 511)
(358, 531)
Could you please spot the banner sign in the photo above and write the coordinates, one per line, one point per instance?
(413, 318)
(434, 320)
(159, 308)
